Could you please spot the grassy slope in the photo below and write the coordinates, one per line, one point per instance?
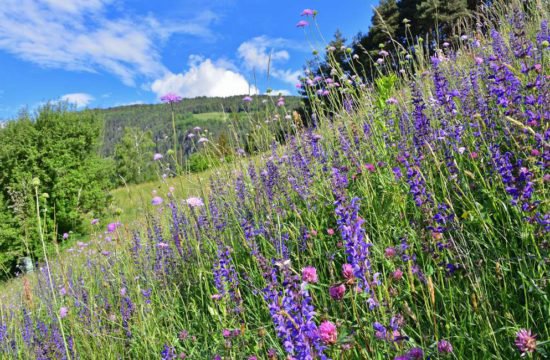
(500, 286)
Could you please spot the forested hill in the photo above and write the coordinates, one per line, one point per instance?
(156, 118)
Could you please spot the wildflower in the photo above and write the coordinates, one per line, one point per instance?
(397, 274)
(157, 156)
(194, 202)
(328, 333)
(444, 347)
(464, 37)
(390, 252)
(347, 271)
(302, 24)
(526, 341)
(202, 140)
(170, 98)
(370, 167)
(247, 99)
(112, 227)
(95, 221)
(380, 61)
(383, 53)
(63, 312)
(197, 129)
(308, 12)
(183, 335)
(392, 101)
(337, 292)
(415, 354)
(157, 200)
(309, 274)
(479, 60)
(330, 231)
(65, 236)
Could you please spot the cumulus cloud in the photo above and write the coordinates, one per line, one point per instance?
(204, 78)
(78, 99)
(264, 54)
(78, 35)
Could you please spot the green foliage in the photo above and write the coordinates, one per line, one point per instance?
(60, 148)
(134, 156)
(385, 86)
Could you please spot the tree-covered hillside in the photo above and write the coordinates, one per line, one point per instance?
(156, 118)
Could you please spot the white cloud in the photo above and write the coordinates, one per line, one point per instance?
(204, 78)
(78, 99)
(281, 92)
(256, 55)
(263, 54)
(78, 35)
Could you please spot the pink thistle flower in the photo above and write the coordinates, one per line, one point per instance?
(330, 231)
(308, 12)
(479, 60)
(247, 99)
(156, 201)
(302, 24)
(370, 167)
(397, 274)
(390, 252)
(197, 129)
(202, 140)
(444, 347)
(112, 227)
(65, 236)
(170, 98)
(337, 292)
(328, 333)
(63, 312)
(473, 155)
(194, 202)
(157, 157)
(95, 221)
(347, 271)
(526, 341)
(309, 274)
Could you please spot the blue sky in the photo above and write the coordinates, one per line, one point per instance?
(102, 53)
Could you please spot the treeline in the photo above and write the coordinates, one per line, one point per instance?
(50, 167)
(395, 26)
(155, 118)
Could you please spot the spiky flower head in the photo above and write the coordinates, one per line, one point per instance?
(526, 341)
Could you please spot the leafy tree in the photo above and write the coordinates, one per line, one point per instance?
(60, 147)
(134, 155)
